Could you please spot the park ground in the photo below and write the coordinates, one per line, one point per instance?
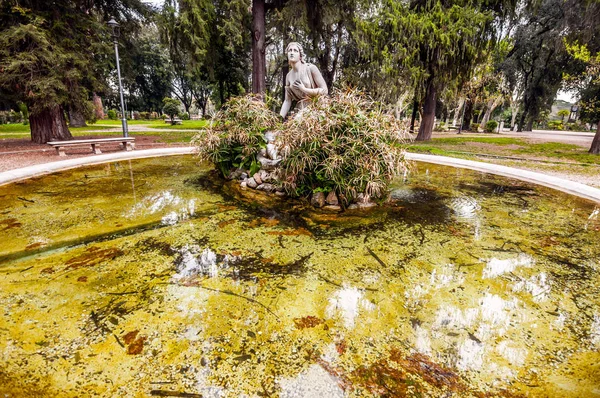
(558, 153)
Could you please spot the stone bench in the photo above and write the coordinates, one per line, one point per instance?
(127, 143)
(175, 121)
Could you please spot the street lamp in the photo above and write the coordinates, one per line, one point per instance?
(114, 26)
(462, 117)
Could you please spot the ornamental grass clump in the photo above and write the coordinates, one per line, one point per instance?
(345, 143)
(236, 135)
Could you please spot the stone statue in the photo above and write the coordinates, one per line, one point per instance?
(302, 82)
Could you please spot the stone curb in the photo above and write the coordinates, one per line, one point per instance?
(570, 187)
(41, 169)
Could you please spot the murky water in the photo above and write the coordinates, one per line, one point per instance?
(145, 278)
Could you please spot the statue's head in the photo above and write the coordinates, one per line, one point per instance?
(294, 49)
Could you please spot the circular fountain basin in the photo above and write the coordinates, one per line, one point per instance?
(149, 277)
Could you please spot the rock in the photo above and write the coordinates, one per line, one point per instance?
(251, 183)
(366, 205)
(236, 174)
(257, 178)
(318, 199)
(243, 176)
(332, 199)
(244, 184)
(362, 198)
(271, 151)
(279, 193)
(266, 187)
(353, 206)
(267, 164)
(268, 177)
(332, 208)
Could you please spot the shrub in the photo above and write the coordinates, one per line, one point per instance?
(15, 117)
(236, 134)
(185, 116)
(474, 127)
(441, 126)
(345, 143)
(112, 114)
(153, 116)
(555, 125)
(491, 126)
(170, 107)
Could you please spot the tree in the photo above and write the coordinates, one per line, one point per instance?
(436, 42)
(171, 108)
(147, 71)
(208, 41)
(562, 114)
(50, 56)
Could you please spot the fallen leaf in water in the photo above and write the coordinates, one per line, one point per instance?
(307, 322)
(130, 337)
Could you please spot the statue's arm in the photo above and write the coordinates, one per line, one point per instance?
(321, 88)
(287, 104)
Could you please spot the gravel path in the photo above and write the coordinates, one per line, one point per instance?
(17, 153)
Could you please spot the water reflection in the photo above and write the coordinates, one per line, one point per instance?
(347, 303)
(538, 286)
(237, 305)
(496, 267)
(314, 382)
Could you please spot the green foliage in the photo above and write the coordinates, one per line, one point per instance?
(474, 127)
(235, 136)
(556, 125)
(112, 114)
(344, 143)
(185, 116)
(491, 126)
(441, 126)
(170, 107)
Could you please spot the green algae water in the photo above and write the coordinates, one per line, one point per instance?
(152, 278)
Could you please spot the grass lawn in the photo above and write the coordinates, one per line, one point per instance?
(186, 129)
(471, 147)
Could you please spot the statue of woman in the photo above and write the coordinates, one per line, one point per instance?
(302, 82)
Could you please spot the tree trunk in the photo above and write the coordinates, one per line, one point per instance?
(595, 148)
(457, 113)
(76, 119)
(428, 118)
(522, 121)
(413, 117)
(98, 108)
(491, 106)
(468, 115)
(48, 125)
(259, 68)
(529, 124)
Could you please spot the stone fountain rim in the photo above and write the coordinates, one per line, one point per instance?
(560, 184)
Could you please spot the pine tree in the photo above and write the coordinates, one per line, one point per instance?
(53, 54)
(432, 43)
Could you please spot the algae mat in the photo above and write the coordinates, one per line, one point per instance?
(152, 278)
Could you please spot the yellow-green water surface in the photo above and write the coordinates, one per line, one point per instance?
(152, 278)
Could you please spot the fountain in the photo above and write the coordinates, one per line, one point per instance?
(145, 277)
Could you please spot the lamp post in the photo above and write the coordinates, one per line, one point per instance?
(462, 117)
(114, 26)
